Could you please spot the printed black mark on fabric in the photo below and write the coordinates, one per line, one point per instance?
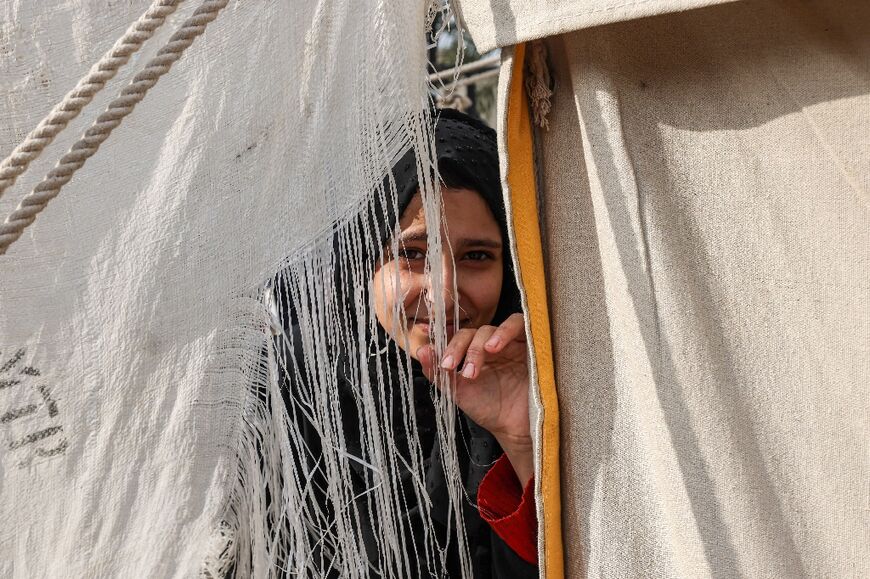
(29, 415)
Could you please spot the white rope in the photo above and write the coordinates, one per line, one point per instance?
(35, 201)
(76, 99)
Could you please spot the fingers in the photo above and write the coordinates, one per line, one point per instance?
(457, 347)
(513, 328)
(473, 345)
(475, 355)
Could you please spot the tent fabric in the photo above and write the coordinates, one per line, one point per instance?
(704, 207)
(518, 170)
(499, 23)
(142, 336)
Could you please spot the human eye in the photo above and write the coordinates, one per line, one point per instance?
(478, 256)
(411, 254)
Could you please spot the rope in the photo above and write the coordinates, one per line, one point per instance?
(35, 201)
(78, 98)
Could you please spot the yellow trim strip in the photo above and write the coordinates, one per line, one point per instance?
(527, 235)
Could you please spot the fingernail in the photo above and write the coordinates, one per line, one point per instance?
(493, 342)
(468, 371)
(448, 362)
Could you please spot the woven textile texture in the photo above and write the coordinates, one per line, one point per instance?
(144, 316)
(506, 22)
(704, 199)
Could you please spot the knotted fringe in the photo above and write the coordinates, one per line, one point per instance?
(538, 83)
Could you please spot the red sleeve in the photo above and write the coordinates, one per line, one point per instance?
(509, 509)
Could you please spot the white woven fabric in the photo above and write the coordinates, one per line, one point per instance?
(132, 320)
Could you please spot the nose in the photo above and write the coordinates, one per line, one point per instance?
(447, 274)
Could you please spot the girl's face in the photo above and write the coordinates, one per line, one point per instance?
(472, 260)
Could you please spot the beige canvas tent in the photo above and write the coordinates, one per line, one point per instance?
(703, 189)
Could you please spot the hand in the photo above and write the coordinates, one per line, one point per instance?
(492, 388)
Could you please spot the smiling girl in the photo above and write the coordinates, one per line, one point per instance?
(485, 355)
(491, 386)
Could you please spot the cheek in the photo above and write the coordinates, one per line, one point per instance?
(484, 291)
(383, 295)
(393, 288)
(411, 285)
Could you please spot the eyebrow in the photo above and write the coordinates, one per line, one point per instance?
(417, 236)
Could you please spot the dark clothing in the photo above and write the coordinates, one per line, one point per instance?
(477, 450)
